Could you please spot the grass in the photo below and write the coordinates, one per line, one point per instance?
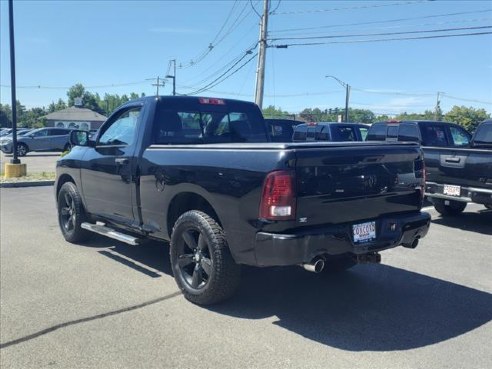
(30, 177)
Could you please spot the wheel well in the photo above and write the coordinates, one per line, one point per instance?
(185, 202)
(62, 180)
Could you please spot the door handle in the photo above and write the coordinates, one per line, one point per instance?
(121, 161)
(453, 160)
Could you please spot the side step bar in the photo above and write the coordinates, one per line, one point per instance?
(111, 233)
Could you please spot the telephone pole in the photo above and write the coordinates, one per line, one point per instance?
(158, 84)
(173, 76)
(438, 107)
(260, 71)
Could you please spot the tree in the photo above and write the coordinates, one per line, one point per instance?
(77, 90)
(466, 117)
(5, 115)
(273, 112)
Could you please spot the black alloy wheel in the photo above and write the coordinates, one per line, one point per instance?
(201, 261)
(71, 214)
(22, 149)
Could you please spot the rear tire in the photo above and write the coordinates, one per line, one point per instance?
(71, 214)
(22, 149)
(454, 207)
(201, 262)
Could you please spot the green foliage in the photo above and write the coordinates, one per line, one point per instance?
(273, 112)
(466, 117)
(427, 115)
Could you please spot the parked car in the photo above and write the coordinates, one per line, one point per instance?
(200, 173)
(330, 131)
(281, 130)
(457, 164)
(41, 139)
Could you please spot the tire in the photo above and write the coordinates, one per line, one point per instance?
(454, 207)
(71, 214)
(22, 149)
(201, 262)
(338, 264)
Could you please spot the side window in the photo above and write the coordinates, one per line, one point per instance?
(363, 133)
(460, 136)
(408, 132)
(434, 136)
(121, 131)
(42, 133)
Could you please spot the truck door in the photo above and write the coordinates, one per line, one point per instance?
(109, 173)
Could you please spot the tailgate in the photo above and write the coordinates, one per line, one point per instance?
(462, 167)
(353, 183)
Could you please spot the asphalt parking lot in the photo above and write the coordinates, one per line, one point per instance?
(107, 305)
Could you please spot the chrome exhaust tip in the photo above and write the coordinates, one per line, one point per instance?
(316, 265)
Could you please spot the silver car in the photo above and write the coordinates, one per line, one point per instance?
(42, 139)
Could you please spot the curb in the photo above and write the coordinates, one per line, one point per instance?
(27, 184)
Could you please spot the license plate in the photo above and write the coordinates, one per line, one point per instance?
(364, 232)
(452, 190)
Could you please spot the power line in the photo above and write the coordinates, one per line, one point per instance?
(464, 99)
(383, 21)
(217, 82)
(381, 34)
(474, 20)
(382, 40)
(347, 8)
(42, 87)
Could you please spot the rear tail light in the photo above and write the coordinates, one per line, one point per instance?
(278, 200)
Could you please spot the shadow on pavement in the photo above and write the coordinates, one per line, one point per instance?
(469, 221)
(369, 308)
(151, 258)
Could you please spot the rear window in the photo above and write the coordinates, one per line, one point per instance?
(377, 132)
(343, 134)
(183, 126)
(392, 132)
(408, 132)
(484, 134)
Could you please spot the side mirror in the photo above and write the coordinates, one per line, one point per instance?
(80, 138)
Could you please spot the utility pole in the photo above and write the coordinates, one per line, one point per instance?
(15, 159)
(173, 77)
(260, 71)
(438, 106)
(158, 84)
(347, 95)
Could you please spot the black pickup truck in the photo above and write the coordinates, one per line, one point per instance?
(458, 166)
(457, 176)
(200, 173)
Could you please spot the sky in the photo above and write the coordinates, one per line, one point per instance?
(119, 47)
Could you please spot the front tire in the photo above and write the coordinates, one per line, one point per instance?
(71, 214)
(202, 264)
(454, 207)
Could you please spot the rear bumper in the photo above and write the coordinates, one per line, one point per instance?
(273, 249)
(467, 194)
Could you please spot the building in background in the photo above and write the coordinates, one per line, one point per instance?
(75, 117)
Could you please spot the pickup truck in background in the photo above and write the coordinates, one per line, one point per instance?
(330, 131)
(202, 174)
(458, 166)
